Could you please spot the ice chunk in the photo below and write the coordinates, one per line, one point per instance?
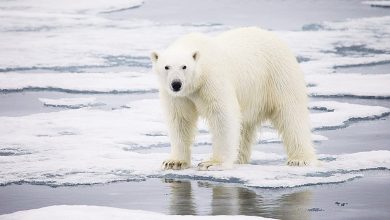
(64, 212)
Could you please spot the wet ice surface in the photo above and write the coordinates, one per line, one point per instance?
(78, 106)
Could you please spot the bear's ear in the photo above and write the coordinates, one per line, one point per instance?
(154, 56)
(195, 55)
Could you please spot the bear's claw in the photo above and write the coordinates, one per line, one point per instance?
(174, 165)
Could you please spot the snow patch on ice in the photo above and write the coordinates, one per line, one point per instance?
(340, 114)
(351, 85)
(69, 6)
(65, 212)
(346, 43)
(79, 82)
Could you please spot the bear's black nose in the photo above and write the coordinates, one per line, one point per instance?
(176, 86)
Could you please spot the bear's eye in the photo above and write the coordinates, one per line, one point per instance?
(167, 67)
(184, 67)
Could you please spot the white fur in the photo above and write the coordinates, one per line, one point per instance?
(236, 81)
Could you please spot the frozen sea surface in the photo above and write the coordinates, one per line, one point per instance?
(54, 154)
(78, 103)
(99, 212)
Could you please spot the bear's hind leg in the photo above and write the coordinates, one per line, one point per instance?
(248, 132)
(294, 127)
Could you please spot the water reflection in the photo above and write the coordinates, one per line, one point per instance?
(234, 200)
(181, 201)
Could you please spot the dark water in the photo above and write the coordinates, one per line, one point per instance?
(360, 199)
(25, 103)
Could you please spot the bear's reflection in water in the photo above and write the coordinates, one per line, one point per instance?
(234, 200)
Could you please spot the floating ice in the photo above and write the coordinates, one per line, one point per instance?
(79, 82)
(353, 42)
(70, 102)
(86, 146)
(69, 6)
(352, 85)
(340, 168)
(339, 114)
(75, 40)
(101, 212)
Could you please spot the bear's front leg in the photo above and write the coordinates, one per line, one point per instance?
(181, 117)
(224, 122)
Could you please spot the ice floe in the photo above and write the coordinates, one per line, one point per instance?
(353, 42)
(70, 6)
(350, 85)
(86, 146)
(101, 212)
(337, 84)
(79, 82)
(339, 114)
(80, 40)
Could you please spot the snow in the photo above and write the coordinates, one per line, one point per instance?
(353, 42)
(70, 6)
(101, 212)
(339, 114)
(75, 35)
(70, 102)
(87, 146)
(355, 85)
(130, 82)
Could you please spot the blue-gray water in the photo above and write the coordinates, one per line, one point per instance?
(364, 198)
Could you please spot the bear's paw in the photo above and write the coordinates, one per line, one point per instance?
(174, 165)
(212, 165)
(302, 162)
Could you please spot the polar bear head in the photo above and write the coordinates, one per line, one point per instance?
(177, 71)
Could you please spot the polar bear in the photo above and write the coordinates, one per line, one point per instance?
(236, 81)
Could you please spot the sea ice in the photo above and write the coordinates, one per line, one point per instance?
(87, 146)
(336, 84)
(65, 212)
(130, 82)
(352, 85)
(339, 114)
(70, 6)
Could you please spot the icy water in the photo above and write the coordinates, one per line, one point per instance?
(81, 123)
(361, 199)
